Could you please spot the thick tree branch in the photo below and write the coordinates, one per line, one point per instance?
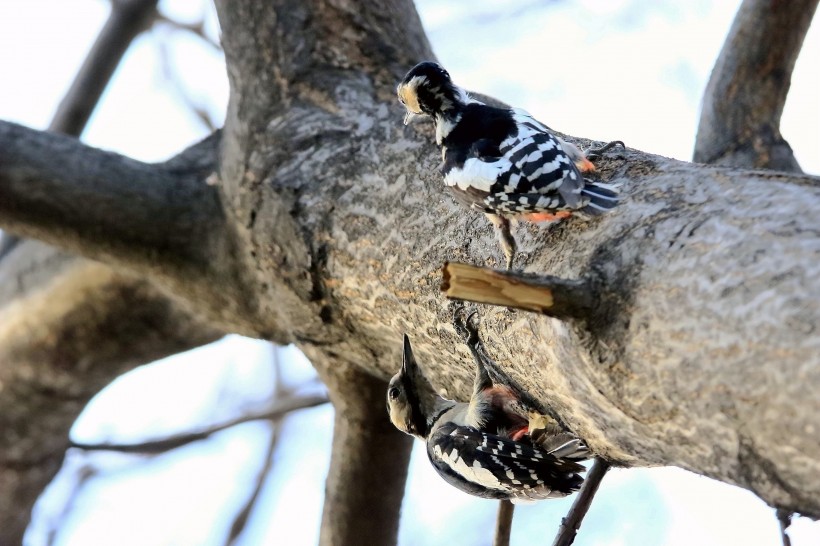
(104, 205)
(743, 102)
(746, 94)
(69, 327)
(128, 18)
(551, 296)
(700, 351)
(314, 44)
(706, 290)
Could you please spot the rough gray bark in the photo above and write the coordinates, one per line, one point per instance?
(700, 352)
(743, 102)
(759, 56)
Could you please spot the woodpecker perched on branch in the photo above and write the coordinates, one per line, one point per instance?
(487, 447)
(503, 161)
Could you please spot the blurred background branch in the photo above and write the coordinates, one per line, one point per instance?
(744, 99)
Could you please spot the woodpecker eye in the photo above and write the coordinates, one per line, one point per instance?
(393, 393)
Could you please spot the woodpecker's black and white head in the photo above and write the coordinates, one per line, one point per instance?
(411, 401)
(428, 90)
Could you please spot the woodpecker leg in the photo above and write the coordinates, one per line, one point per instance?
(505, 236)
(468, 330)
(488, 373)
(598, 152)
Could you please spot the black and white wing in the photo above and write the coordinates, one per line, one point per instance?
(490, 466)
(539, 175)
(528, 172)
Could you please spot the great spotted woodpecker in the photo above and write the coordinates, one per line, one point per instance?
(502, 161)
(495, 446)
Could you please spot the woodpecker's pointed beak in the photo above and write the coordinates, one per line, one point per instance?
(408, 117)
(408, 361)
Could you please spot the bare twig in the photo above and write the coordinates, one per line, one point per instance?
(503, 525)
(743, 102)
(241, 519)
(572, 522)
(151, 447)
(279, 392)
(128, 18)
(784, 518)
(176, 85)
(553, 296)
(197, 29)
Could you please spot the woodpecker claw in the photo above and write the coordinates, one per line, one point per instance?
(466, 328)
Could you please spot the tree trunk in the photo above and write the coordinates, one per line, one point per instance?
(700, 350)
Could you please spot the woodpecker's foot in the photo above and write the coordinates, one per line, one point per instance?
(505, 237)
(466, 327)
(594, 153)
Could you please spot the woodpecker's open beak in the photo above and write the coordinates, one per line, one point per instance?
(408, 117)
(408, 361)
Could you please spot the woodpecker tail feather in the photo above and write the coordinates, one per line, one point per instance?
(566, 446)
(602, 197)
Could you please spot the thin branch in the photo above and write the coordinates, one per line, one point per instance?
(572, 522)
(106, 206)
(280, 392)
(743, 102)
(128, 18)
(552, 296)
(152, 447)
(197, 29)
(241, 519)
(503, 523)
(176, 85)
(784, 518)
